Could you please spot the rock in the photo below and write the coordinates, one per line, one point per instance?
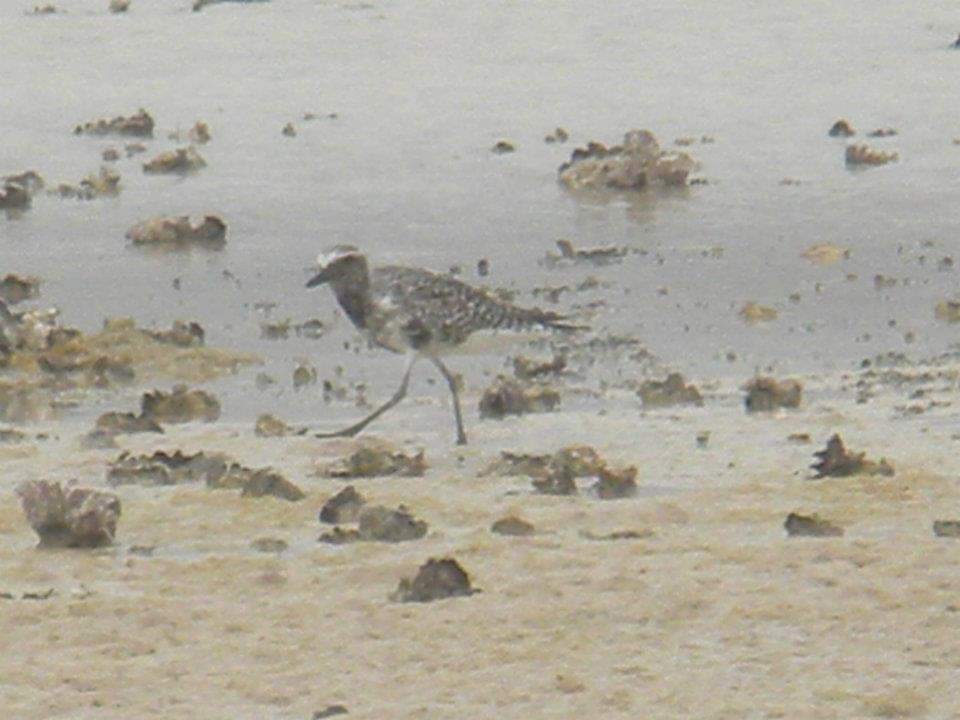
(508, 397)
(765, 394)
(13, 197)
(269, 545)
(106, 183)
(330, 711)
(373, 461)
(798, 525)
(503, 147)
(132, 149)
(435, 580)
(616, 484)
(179, 406)
(46, 9)
(672, 391)
(559, 135)
(279, 330)
(17, 288)
(841, 128)
(527, 369)
(162, 468)
(379, 524)
(304, 375)
(836, 461)
(863, 155)
(137, 125)
(947, 311)
(117, 423)
(555, 482)
(312, 329)
(199, 134)
(289, 130)
(754, 313)
(344, 507)
(182, 333)
(825, 254)
(512, 525)
(946, 528)
(71, 516)
(110, 155)
(181, 161)
(634, 165)
(596, 255)
(339, 536)
(119, 6)
(267, 482)
(269, 426)
(210, 230)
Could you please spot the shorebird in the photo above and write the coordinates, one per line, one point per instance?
(418, 313)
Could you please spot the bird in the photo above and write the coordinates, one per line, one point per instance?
(418, 313)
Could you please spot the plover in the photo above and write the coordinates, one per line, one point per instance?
(418, 313)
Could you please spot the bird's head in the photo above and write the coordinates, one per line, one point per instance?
(337, 262)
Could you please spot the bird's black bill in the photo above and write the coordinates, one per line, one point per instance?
(319, 279)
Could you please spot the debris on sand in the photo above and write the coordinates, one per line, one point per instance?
(526, 369)
(836, 461)
(509, 397)
(379, 524)
(863, 155)
(376, 523)
(330, 711)
(120, 423)
(71, 516)
(269, 426)
(596, 255)
(666, 393)
(110, 155)
(576, 460)
(946, 528)
(825, 254)
(289, 130)
(947, 311)
(119, 6)
(799, 438)
(765, 394)
(139, 124)
(181, 161)
(344, 507)
(634, 165)
(179, 406)
(798, 525)
(279, 330)
(842, 128)
(883, 132)
(615, 484)
(106, 183)
(269, 545)
(163, 468)
(17, 288)
(503, 147)
(376, 460)
(265, 481)
(435, 580)
(136, 148)
(559, 135)
(512, 525)
(617, 535)
(47, 9)
(199, 134)
(210, 230)
(754, 313)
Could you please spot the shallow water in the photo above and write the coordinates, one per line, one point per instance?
(422, 91)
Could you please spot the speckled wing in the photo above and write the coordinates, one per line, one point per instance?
(435, 308)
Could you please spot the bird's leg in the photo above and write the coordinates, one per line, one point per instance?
(452, 383)
(397, 397)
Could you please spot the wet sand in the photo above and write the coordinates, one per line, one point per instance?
(715, 614)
